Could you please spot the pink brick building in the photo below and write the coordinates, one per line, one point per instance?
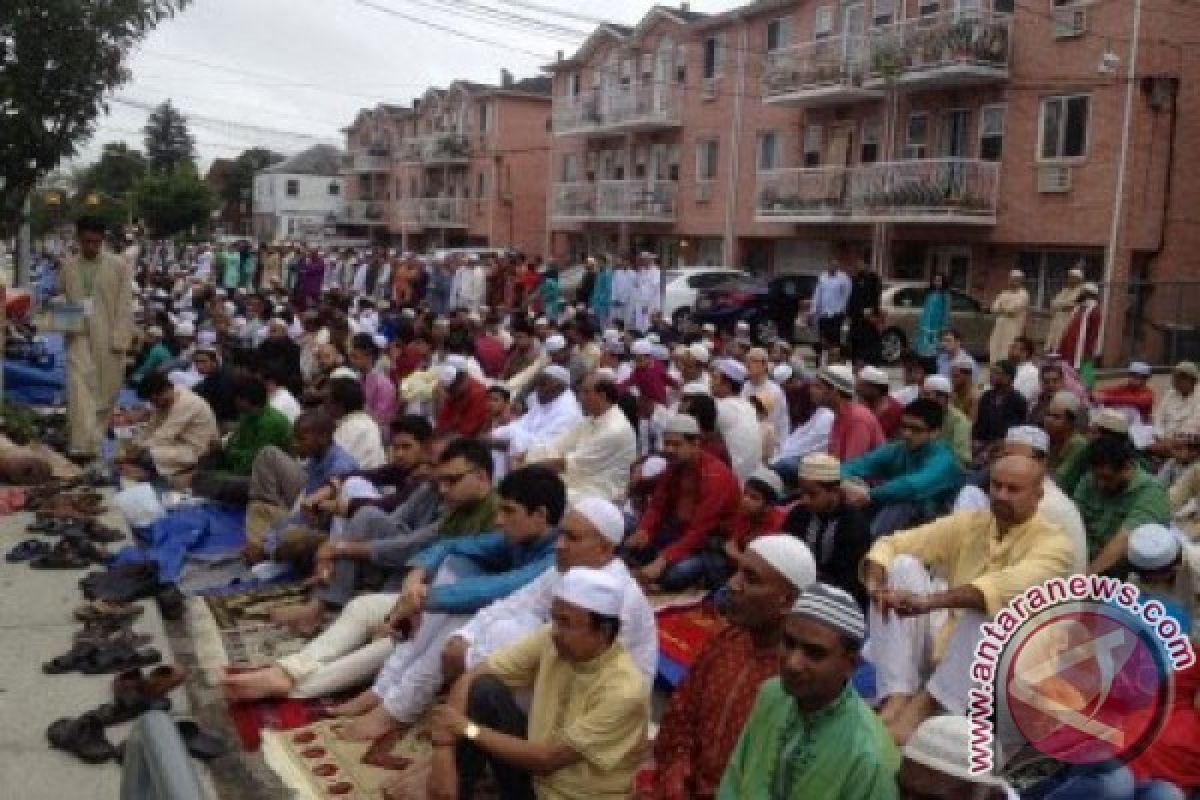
(969, 137)
(463, 166)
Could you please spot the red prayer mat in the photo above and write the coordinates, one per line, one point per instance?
(252, 717)
(683, 632)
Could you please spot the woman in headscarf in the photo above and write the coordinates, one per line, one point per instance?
(935, 316)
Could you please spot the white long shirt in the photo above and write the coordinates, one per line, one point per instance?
(624, 281)
(540, 423)
(598, 452)
(649, 289)
(358, 434)
(1176, 413)
(778, 417)
(811, 437)
(831, 294)
(527, 609)
(738, 424)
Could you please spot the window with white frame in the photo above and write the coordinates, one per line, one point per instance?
(485, 118)
(869, 152)
(712, 56)
(779, 34)
(1046, 271)
(573, 84)
(706, 159)
(823, 22)
(768, 150)
(1063, 128)
(883, 12)
(916, 136)
(991, 133)
(293, 188)
(335, 189)
(812, 146)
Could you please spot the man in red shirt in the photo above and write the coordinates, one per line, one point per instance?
(649, 374)
(855, 429)
(679, 542)
(1133, 393)
(873, 386)
(463, 409)
(489, 350)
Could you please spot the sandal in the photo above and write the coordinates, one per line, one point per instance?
(200, 743)
(109, 658)
(102, 533)
(70, 660)
(107, 609)
(82, 737)
(63, 556)
(27, 550)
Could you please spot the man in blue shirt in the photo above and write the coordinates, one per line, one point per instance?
(910, 479)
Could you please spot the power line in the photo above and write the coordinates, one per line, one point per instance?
(557, 12)
(481, 13)
(203, 118)
(447, 29)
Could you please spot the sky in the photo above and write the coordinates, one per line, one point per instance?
(287, 74)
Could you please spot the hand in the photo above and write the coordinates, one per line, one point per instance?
(903, 603)
(856, 496)
(654, 570)
(732, 552)
(447, 724)
(639, 539)
(454, 657)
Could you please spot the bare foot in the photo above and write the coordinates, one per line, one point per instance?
(355, 706)
(367, 728)
(921, 707)
(304, 619)
(257, 684)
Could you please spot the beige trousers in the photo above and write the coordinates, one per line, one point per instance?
(344, 655)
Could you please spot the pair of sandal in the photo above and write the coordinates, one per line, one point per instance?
(84, 737)
(71, 553)
(27, 551)
(98, 658)
(135, 693)
(99, 610)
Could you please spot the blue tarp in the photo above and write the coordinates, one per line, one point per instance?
(206, 529)
(27, 384)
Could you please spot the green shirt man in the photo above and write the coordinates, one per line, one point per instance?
(1114, 497)
(255, 430)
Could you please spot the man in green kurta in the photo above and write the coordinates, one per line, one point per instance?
(225, 475)
(810, 734)
(101, 283)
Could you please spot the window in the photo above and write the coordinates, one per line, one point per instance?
(870, 141)
(673, 162)
(991, 133)
(573, 84)
(823, 24)
(570, 168)
(928, 7)
(293, 188)
(812, 145)
(1046, 271)
(481, 185)
(883, 12)
(916, 136)
(713, 56)
(1064, 121)
(485, 122)
(335, 189)
(768, 150)
(706, 160)
(779, 34)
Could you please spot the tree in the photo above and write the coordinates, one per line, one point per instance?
(58, 58)
(117, 171)
(175, 201)
(168, 143)
(233, 182)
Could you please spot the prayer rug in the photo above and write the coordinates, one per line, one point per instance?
(663, 601)
(682, 632)
(255, 719)
(234, 629)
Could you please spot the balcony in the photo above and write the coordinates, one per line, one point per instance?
(375, 159)
(939, 51)
(616, 201)
(432, 212)
(639, 108)
(364, 212)
(827, 71)
(958, 191)
(439, 149)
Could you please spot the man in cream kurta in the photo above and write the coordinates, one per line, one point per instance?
(1011, 308)
(182, 429)
(1063, 306)
(101, 283)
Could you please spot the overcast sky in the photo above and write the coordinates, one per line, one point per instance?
(286, 74)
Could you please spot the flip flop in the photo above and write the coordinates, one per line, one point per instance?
(200, 743)
(27, 550)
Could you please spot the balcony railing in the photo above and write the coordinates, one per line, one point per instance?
(617, 201)
(829, 70)
(953, 48)
(369, 161)
(437, 148)
(640, 107)
(953, 190)
(365, 212)
(432, 212)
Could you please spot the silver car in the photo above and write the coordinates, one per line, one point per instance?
(902, 303)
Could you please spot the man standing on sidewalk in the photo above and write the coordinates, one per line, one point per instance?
(828, 306)
(99, 282)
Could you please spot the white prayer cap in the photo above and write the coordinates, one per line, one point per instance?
(457, 362)
(277, 322)
(699, 352)
(661, 353)
(938, 383)
(161, 294)
(732, 369)
(873, 375)
(558, 373)
(643, 347)
(230, 307)
(943, 744)
(1075, 273)
(653, 466)
(963, 361)
(473, 316)
(1017, 274)
(708, 327)
(787, 555)
(380, 341)
(408, 313)
(742, 325)
(592, 590)
(757, 353)
(447, 374)
(695, 388)
(653, 338)
(154, 330)
(820, 468)
(220, 293)
(441, 322)
(768, 478)
(206, 338)
(185, 328)
(831, 606)
(611, 333)
(606, 374)
(840, 377)
(1091, 288)
(606, 518)
(1141, 368)
(684, 424)
(541, 321)
(1111, 420)
(1031, 435)
(555, 343)
(782, 373)
(1153, 547)
(343, 372)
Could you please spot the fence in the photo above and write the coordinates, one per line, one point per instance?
(1155, 321)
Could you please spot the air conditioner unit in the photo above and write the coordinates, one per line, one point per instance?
(704, 191)
(1054, 179)
(1069, 23)
(709, 90)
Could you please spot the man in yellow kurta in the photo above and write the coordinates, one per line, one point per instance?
(182, 430)
(1011, 308)
(101, 283)
(1063, 305)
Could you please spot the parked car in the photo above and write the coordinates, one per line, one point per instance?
(769, 306)
(681, 286)
(902, 304)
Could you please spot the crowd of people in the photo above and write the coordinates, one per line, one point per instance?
(486, 483)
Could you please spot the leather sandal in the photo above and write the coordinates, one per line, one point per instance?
(70, 660)
(83, 737)
(64, 555)
(106, 609)
(27, 550)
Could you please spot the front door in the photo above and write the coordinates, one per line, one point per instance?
(953, 142)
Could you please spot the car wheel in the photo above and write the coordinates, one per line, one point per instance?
(893, 343)
(681, 316)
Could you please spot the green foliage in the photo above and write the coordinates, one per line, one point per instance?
(173, 202)
(239, 182)
(169, 145)
(57, 59)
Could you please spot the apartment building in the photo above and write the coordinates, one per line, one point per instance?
(462, 166)
(954, 135)
(300, 198)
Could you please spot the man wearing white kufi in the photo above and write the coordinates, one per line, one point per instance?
(648, 293)
(587, 720)
(1011, 307)
(552, 409)
(736, 418)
